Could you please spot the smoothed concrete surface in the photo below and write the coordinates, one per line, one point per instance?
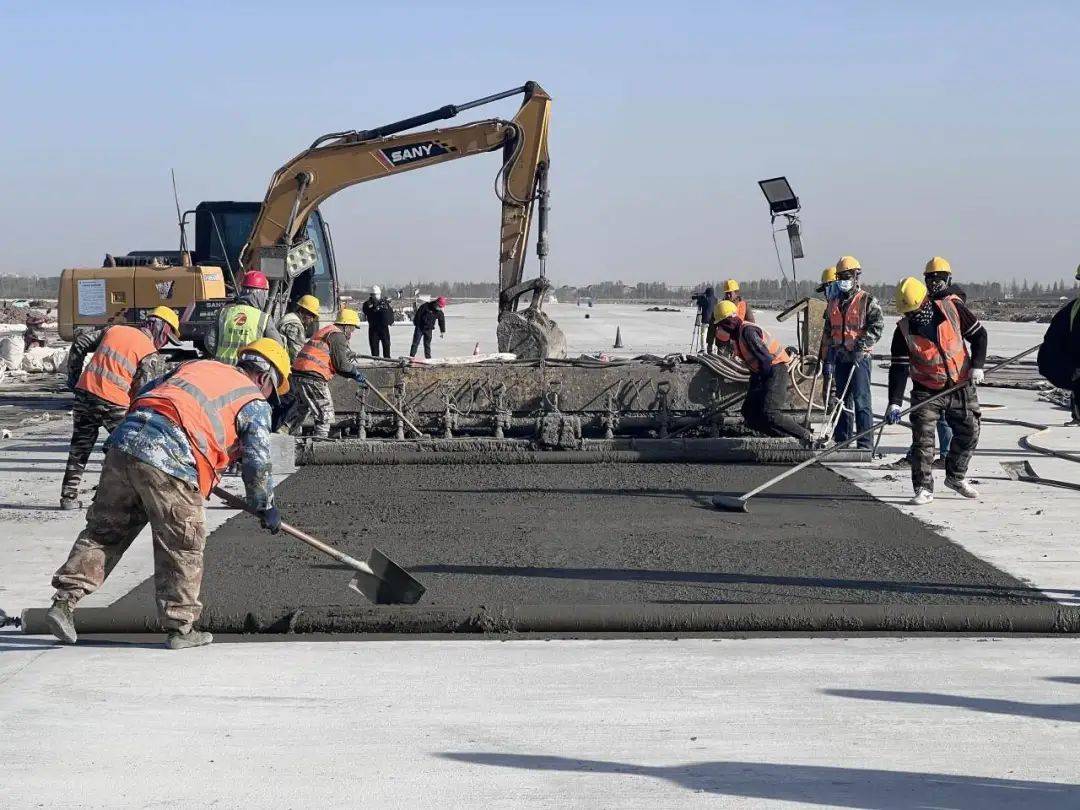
(877, 723)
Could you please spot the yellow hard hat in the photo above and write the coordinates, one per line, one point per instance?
(849, 263)
(275, 353)
(937, 265)
(731, 285)
(168, 315)
(828, 274)
(347, 317)
(910, 294)
(724, 309)
(308, 303)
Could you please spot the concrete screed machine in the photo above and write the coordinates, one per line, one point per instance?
(676, 406)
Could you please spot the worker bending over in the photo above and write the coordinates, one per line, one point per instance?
(765, 406)
(732, 294)
(379, 314)
(929, 346)
(297, 327)
(182, 432)
(424, 320)
(326, 354)
(853, 324)
(246, 320)
(103, 389)
(1059, 354)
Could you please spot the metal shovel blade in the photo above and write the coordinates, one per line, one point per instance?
(388, 583)
(1018, 470)
(730, 504)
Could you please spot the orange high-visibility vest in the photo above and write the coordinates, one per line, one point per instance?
(742, 347)
(111, 370)
(847, 326)
(315, 357)
(204, 397)
(942, 363)
(740, 307)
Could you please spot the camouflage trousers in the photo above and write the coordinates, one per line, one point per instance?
(311, 395)
(131, 494)
(962, 414)
(88, 414)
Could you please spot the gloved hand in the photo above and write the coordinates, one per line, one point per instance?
(977, 376)
(892, 416)
(442, 334)
(829, 370)
(270, 519)
(360, 378)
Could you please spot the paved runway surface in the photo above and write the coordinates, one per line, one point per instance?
(481, 535)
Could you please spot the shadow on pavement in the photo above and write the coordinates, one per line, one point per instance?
(864, 788)
(1062, 712)
(721, 578)
(1064, 679)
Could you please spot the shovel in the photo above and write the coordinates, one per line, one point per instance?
(731, 503)
(380, 579)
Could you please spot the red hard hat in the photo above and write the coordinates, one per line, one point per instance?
(254, 279)
(441, 301)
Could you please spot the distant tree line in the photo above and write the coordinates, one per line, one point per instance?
(29, 286)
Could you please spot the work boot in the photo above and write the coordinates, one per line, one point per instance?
(940, 463)
(61, 620)
(922, 497)
(179, 640)
(963, 486)
(68, 504)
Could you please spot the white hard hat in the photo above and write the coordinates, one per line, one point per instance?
(377, 291)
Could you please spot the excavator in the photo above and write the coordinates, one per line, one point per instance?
(283, 244)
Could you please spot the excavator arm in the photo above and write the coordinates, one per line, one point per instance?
(342, 159)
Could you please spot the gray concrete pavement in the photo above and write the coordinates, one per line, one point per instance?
(882, 723)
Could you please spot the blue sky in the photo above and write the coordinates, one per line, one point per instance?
(908, 129)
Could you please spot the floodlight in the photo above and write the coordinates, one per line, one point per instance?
(780, 195)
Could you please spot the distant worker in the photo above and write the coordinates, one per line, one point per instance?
(706, 303)
(297, 327)
(104, 388)
(929, 346)
(828, 287)
(1059, 355)
(732, 294)
(326, 354)
(424, 320)
(246, 320)
(853, 324)
(379, 314)
(182, 432)
(765, 406)
(34, 336)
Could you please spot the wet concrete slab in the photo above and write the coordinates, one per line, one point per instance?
(605, 534)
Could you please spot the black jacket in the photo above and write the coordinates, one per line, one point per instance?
(1059, 354)
(706, 302)
(427, 315)
(379, 314)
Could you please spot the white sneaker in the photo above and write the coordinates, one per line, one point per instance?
(962, 486)
(922, 497)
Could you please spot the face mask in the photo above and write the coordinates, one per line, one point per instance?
(924, 315)
(937, 284)
(845, 284)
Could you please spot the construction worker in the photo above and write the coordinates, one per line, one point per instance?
(929, 346)
(937, 275)
(732, 294)
(34, 337)
(765, 406)
(424, 320)
(162, 462)
(828, 287)
(297, 327)
(706, 304)
(853, 324)
(246, 320)
(326, 354)
(379, 314)
(103, 389)
(1059, 354)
